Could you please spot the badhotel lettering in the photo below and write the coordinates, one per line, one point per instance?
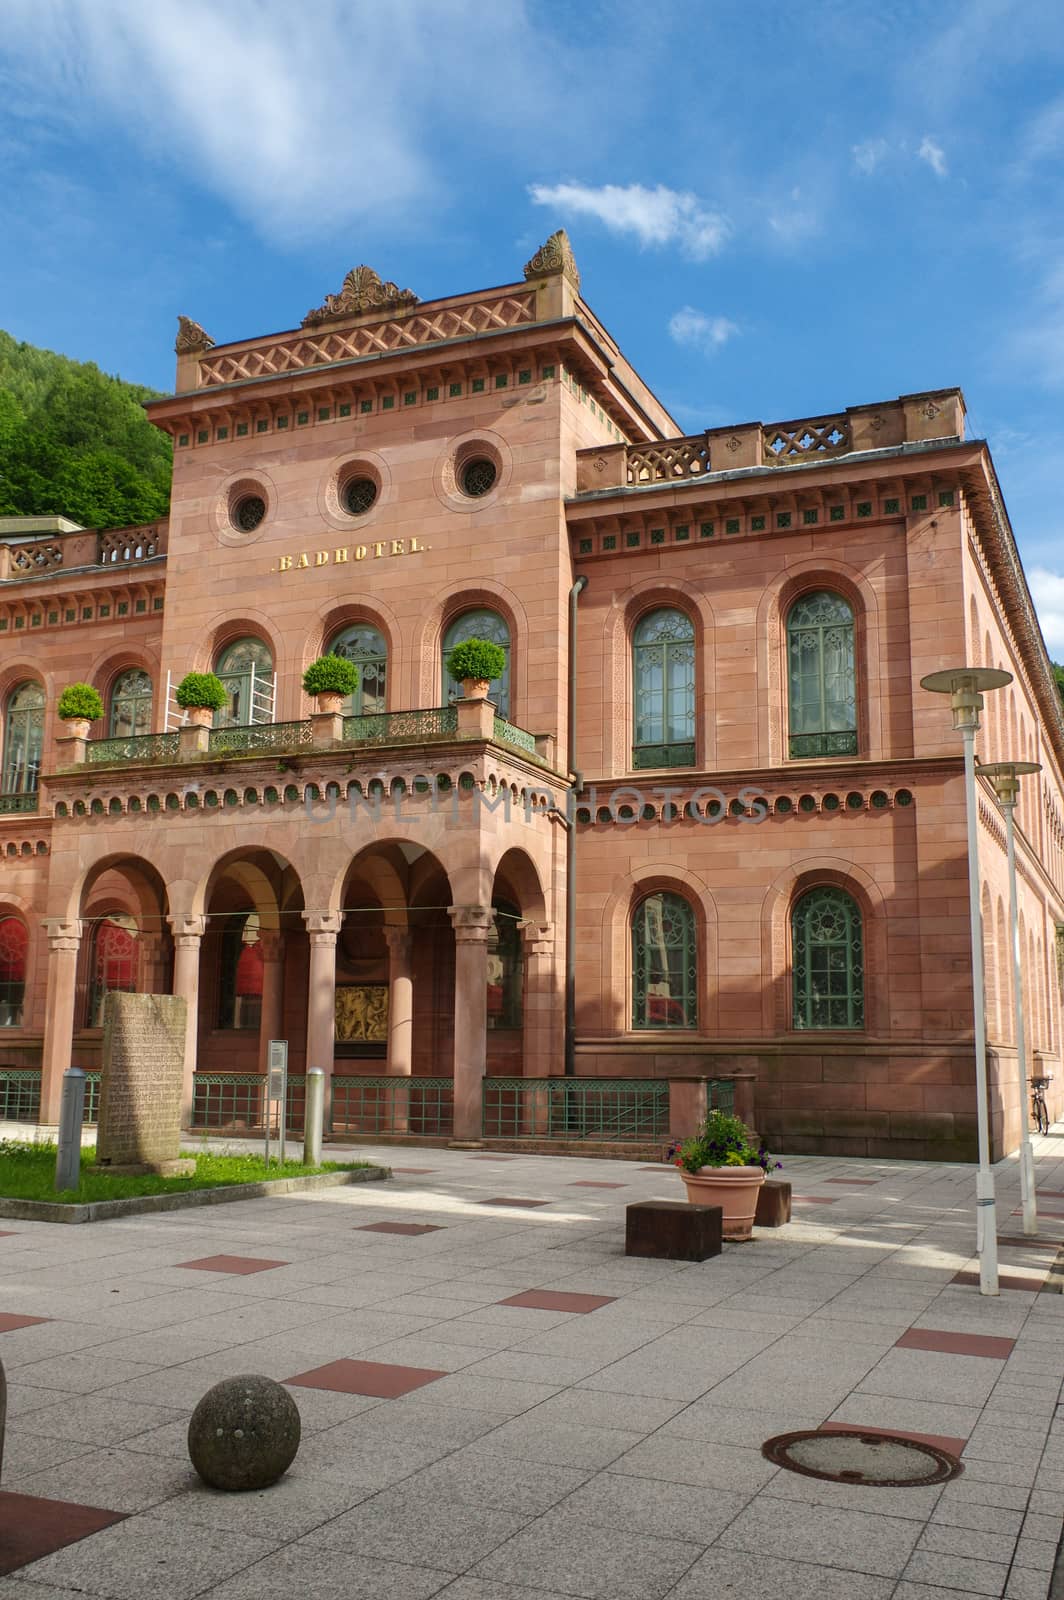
(356, 552)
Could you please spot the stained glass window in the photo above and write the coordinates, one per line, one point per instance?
(112, 962)
(828, 961)
(663, 677)
(664, 963)
(479, 625)
(131, 700)
(366, 647)
(821, 677)
(246, 670)
(505, 967)
(13, 944)
(23, 735)
(240, 985)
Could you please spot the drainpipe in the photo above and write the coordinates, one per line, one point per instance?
(576, 779)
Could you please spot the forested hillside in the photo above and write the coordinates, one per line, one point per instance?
(75, 442)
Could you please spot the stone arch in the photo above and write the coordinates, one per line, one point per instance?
(120, 886)
(622, 616)
(795, 880)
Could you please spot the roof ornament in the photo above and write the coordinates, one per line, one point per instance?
(554, 256)
(191, 338)
(363, 290)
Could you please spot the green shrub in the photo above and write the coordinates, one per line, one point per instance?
(80, 700)
(331, 675)
(476, 658)
(722, 1141)
(202, 691)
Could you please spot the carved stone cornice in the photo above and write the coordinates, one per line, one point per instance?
(63, 933)
(187, 929)
(472, 924)
(323, 926)
(555, 255)
(191, 338)
(363, 290)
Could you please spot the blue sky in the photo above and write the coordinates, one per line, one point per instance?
(776, 211)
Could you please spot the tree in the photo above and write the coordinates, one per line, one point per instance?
(1058, 673)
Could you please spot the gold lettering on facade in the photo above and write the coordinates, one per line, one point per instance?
(285, 564)
(340, 555)
(360, 552)
(378, 549)
(397, 547)
(346, 553)
(321, 559)
(302, 562)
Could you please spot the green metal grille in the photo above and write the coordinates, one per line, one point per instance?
(20, 1094)
(10, 803)
(828, 964)
(822, 685)
(92, 1097)
(506, 733)
(395, 727)
(576, 1108)
(664, 755)
(808, 746)
(392, 1105)
(238, 1100)
(257, 736)
(142, 747)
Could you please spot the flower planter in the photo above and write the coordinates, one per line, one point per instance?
(734, 1189)
(475, 688)
(199, 716)
(77, 727)
(329, 702)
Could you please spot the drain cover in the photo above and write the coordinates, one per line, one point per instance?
(874, 1460)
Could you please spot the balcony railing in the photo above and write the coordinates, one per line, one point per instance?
(256, 736)
(399, 727)
(10, 804)
(139, 747)
(576, 1108)
(20, 1095)
(810, 746)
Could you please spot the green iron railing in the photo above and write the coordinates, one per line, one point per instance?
(506, 733)
(810, 746)
(255, 736)
(576, 1108)
(141, 747)
(394, 727)
(372, 1106)
(233, 1100)
(663, 755)
(12, 803)
(20, 1095)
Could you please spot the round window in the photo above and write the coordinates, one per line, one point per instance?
(478, 477)
(249, 512)
(358, 495)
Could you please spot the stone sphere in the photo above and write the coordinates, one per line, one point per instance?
(244, 1433)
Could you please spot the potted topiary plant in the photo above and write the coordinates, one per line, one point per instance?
(79, 704)
(200, 695)
(473, 663)
(330, 679)
(721, 1166)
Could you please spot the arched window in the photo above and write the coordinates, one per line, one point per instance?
(821, 677)
(23, 735)
(246, 670)
(664, 963)
(131, 705)
(112, 962)
(479, 625)
(240, 988)
(663, 692)
(13, 945)
(366, 647)
(505, 967)
(828, 960)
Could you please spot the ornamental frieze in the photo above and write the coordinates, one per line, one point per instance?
(363, 290)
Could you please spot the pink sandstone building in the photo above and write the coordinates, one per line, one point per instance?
(730, 781)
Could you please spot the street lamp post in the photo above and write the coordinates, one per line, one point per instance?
(1005, 777)
(964, 686)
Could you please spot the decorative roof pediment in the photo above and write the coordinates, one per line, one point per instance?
(191, 338)
(363, 290)
(554, 256)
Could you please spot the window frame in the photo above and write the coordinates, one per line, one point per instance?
(667, 751)
(803, 997)
(822, 742)
(137, 701)
(240, 684)
(23, 743)
(354, 705)
(499, 689)
(688, 1001)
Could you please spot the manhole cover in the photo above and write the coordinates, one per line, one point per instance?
(875, 1460)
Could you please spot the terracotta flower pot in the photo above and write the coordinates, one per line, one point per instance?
(77, 727)
(475, 688)
(329, 701)
(734, 1189)
(199, 716)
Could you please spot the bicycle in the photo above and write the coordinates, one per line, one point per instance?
(1038, 1103)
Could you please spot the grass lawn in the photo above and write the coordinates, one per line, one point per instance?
(27, 1172)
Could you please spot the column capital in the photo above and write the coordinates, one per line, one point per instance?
(323, 926)
(472, 924)
(186, 928)
(537, 938)
(398, 940)
(64, 933)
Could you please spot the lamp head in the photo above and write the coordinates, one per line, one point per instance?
(1005, 776)
(963, 685)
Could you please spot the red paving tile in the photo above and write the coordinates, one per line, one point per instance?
(956, 1344)
(7, 1233)
(1051, 1194)
(239, 1264)
(10, 1320)
(944, 1441)
(1029, 1241)
(1006, 1280)
(379, 1378)
(411, 1228)
(557, 1300)
(588, 1183)
(855, 1183)
(31, 1527)
(813, 1200)
(502, 1200)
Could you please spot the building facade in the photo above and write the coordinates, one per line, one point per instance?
(734, 780)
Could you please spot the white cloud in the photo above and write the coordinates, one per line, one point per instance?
(658, 216)
(305, 120)
(696, 329)
(935, 157)
(868, 156)
(1047, 590)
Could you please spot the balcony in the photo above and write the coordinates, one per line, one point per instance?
(18, 804)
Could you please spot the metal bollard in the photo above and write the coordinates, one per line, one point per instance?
(313, 1117)
(71, 1116)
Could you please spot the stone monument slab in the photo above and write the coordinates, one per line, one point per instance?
(139, 1126)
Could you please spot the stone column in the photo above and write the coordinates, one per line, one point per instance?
(151, 963)
(539, 1011)
(64, 941)
(400, 1002)
(188, 931)
(271, 944)
(322, 926)
(472, 925)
